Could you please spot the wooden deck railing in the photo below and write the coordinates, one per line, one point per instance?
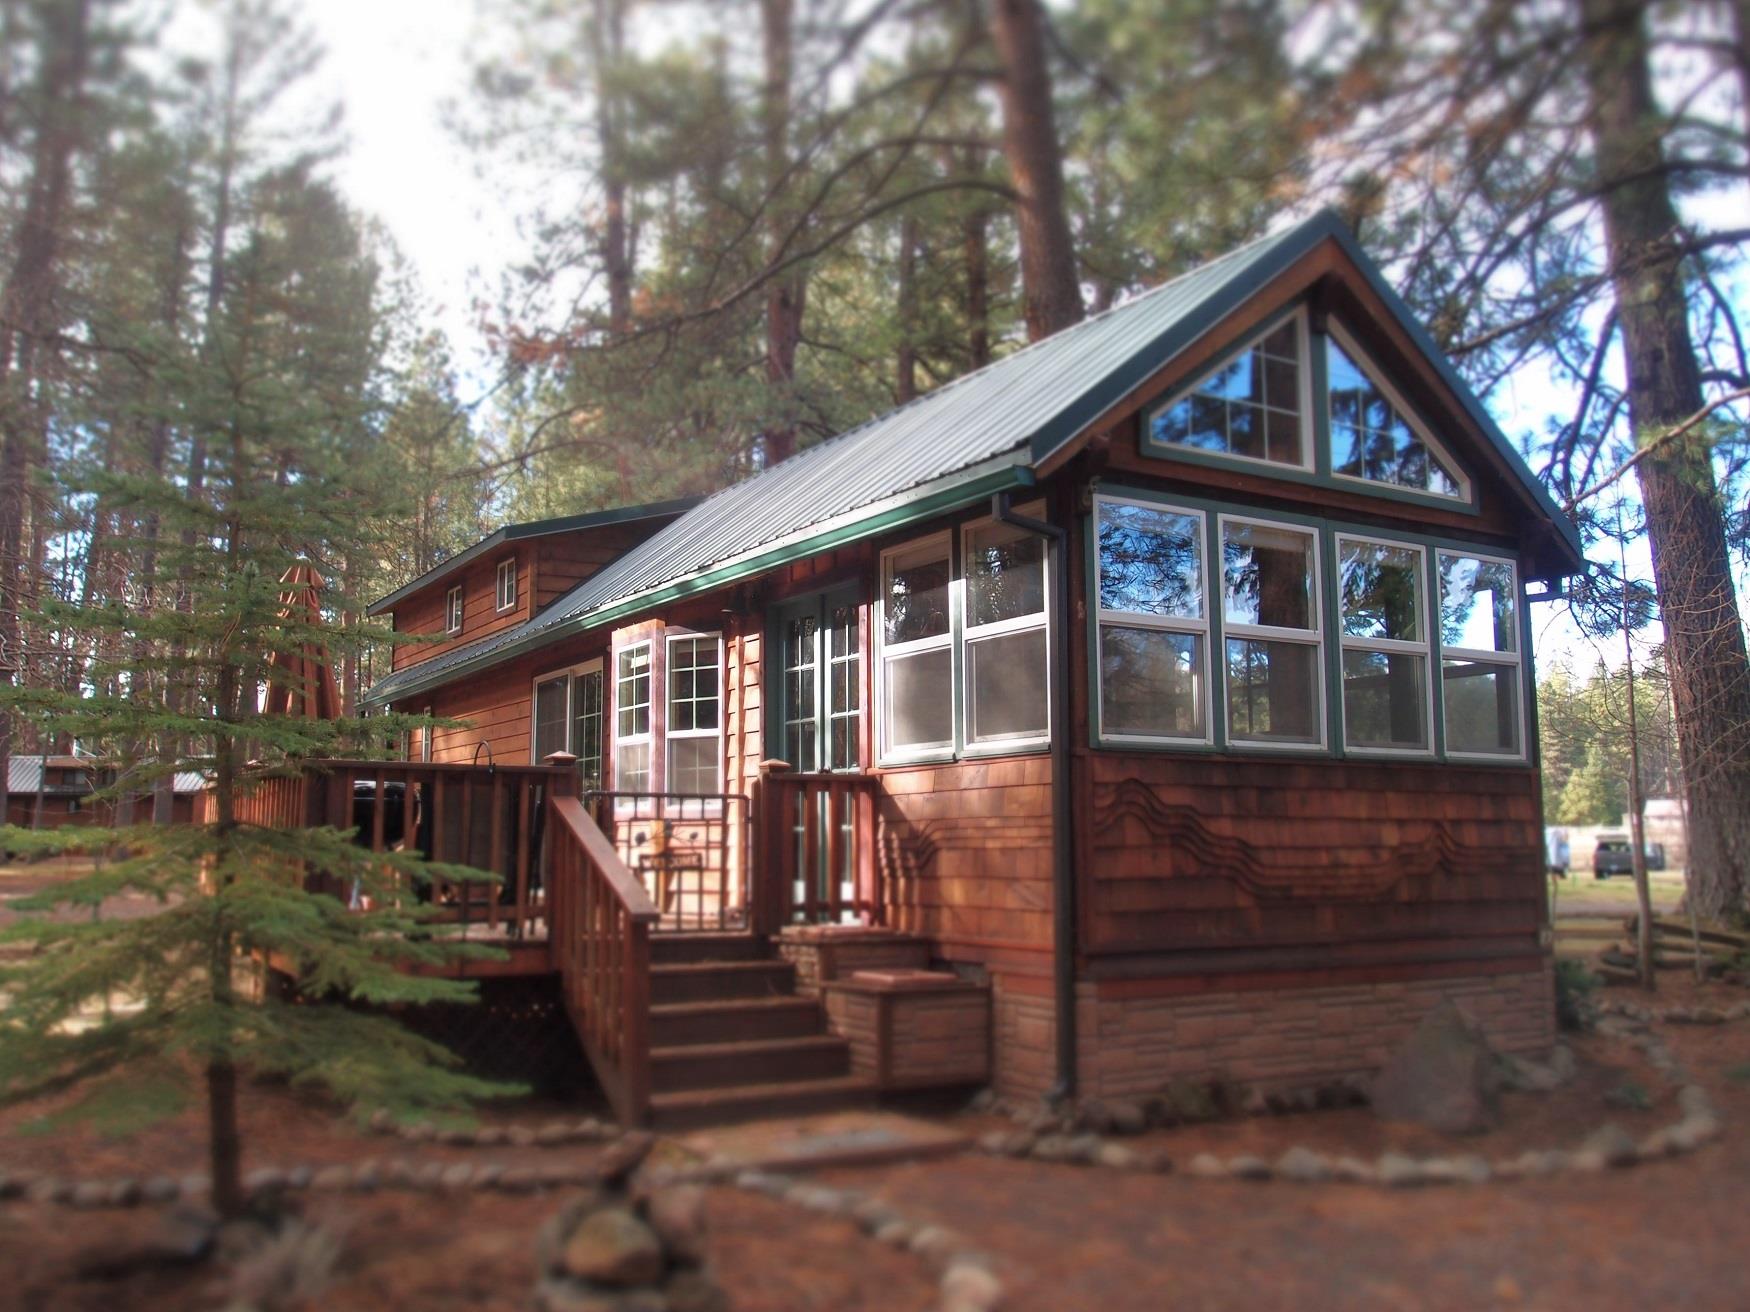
(601, 921)
(817, 840)
(488, 817)
(689, 850)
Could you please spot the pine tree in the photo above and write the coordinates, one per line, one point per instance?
(283, 397)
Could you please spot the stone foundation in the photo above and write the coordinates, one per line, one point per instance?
(1135, 1043)
(912, 1029)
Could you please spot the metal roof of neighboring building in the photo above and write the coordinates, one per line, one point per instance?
(979, 433)
(534, 528)
(24, 774)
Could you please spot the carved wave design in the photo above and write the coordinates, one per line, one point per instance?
(1189, 848)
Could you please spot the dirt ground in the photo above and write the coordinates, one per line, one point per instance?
(1065, 1238)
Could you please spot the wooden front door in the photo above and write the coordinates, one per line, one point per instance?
(817, 700)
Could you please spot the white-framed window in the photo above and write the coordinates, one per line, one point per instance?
(1273, 658)
(694, 730)
(1150, 589)
(1375, 435)
(1383, 613)
(506, 585)
(916, 669)
(1254, 405)
(1003, 636)
(1481, 683)
(453, 610)
(632, 719)
(569, 718)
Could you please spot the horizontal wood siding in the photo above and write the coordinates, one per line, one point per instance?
(965, 852)
(565, 560)
(424, 611)
(1189, 853)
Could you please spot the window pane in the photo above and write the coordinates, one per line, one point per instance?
(1479, 603)
(632, 768)
(586, 725)
(1384, 703)
(1482, 707)
(916, 590)
(1371, 439)
(692, 765)
(692, 685)
(1005, 574)
(1005, 680)
(1382, 591)
(1272, 691)
(632, 693)
(1151, 683)
(549, 719)
(1267, 574)
(1151, 561)
(1237, 408)
(920, 705)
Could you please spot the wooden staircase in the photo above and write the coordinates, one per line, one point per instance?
(730, 1039)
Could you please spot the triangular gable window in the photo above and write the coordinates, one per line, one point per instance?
(1373, 436)
(1253, 405)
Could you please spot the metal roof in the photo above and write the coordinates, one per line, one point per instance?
(533, 528)
(979, 433)
(24, 774)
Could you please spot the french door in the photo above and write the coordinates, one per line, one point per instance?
(817, 727)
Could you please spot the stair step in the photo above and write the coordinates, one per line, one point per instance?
(716, 981)
(671, 949)
(693, 1107)
(757, 1061)
(738, 1019)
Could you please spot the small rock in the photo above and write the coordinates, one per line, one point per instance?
(49, 1189)
(970, 1287)
(488, 1136)
(158, 1189)
(331, 1177)
(612, 1247)
(872, 1214)
(88, 1194)
(1656, 1145)
(1094, 1116)
(553, 1134)
(1128, 1117)
(457, 1176)
(996, 1143)
(1613, 1145)
(455, 1136)
(1352, 1170)
(558, 1295)
(488, 1175)
(381, 1121)
(896, 1233)
(1053, 1148)
(1397, 1171)
(195, 1186)
(126, 1193)
(424, 1132)
(519, 1136)
(934, 1241)
(677, 1214)
(1693, 1131)
(366, 1176)
(1084, 1148)
(427, 1176)
(518, 1180)
(985, 1100)
(1019, 1144)
(1255, 1103)
(1207, 1166)
(1693, 1100)
(1247, 1167)
(1117, 1157)
(1303, 1166)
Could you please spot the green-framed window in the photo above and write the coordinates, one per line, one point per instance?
(1323, 637)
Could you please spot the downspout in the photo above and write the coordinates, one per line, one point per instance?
(1063, 921)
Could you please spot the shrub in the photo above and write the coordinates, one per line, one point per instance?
(1574, 986)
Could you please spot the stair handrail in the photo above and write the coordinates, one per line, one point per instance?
(599, 924)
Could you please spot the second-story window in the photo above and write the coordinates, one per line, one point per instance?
(453, 611)
(1385, 645)
(507, 584)
(1270, 629)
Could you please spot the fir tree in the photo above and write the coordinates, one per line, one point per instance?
(283, 396)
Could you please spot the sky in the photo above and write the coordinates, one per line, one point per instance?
(394, 66)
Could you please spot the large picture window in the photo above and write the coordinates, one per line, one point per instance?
(695, 722)
(1480, 678)
(1382, 596)
(1153, 621)
(917, 650)
(1252, 406)
(1272, 673)
(1006, 658)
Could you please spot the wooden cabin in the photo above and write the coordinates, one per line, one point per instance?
(1154, 703)
(51, 791)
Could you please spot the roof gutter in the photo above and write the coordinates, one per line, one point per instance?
(891, 515)
(1063, 883)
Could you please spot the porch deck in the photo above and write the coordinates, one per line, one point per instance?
(656, 912)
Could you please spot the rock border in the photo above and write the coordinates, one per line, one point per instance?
(1673, 1015)
(553, 1134)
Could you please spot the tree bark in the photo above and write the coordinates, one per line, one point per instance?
(607, 36)
(906, 358)
(1710, 669)
(1051, 293)
(786, 296)
(27, 309)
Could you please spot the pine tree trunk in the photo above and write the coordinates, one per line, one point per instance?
(1051, 294)
(607, 38)
(26, 309)
(975, 254)
(224, 1144)
(1710, 669)
(786, 295)
(906, 361)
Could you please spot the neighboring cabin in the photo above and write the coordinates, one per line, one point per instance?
(47, 792)
(1183, 658)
